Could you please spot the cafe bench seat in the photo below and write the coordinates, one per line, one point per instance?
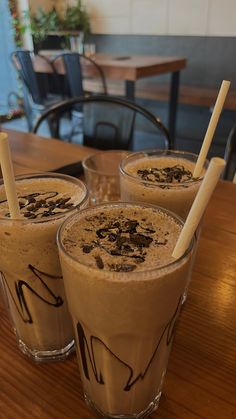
(188, 95)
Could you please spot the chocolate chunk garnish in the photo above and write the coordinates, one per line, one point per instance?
(29, 214)
(175, 174)
(140, 240)
(49, 213)
(87, 248)
(102, 233)
(41, 202)
(30, 207)
(122, 267)
(130, 226)
(66, 206)
(31, 199)
(99, 262)
(161, 243)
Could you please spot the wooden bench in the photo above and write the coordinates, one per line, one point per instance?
(188, 95)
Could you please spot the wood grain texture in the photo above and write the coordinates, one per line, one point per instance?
(32, 153)
(133, 68)
(201, 377)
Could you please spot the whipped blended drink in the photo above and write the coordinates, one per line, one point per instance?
(29, 263)
(124, 292)
(164, 178)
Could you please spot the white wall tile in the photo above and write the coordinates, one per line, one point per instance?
(222, 18)
(109, 8)
(188, 17)
(115, 25)
(158, 17)
(149, 17)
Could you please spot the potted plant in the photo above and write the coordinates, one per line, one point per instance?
(75, 22)
(42, 23)
(76, 19)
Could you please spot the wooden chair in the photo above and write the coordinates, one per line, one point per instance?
(108, 122)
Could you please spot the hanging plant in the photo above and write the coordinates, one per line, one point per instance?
(18, 28)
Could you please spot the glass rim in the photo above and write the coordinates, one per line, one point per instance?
(55, 216)
(120, 204)
(154, 153)
(101, 172)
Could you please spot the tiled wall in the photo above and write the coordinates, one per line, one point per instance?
(158, 17)
(163, 17)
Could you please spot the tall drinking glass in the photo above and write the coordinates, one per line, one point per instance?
(161, 177)
(29, 263)
(124, 293)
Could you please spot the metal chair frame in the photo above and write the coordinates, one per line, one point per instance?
(33, 101)
(56, 111)
(74, 72)
(230, 156)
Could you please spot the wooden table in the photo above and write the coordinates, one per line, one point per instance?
(201, 377)
(32, 153)
(132, 68)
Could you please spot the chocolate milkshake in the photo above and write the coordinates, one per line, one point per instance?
(124, 292)
(164, 178)
(29, 263)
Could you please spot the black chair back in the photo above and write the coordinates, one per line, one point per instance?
(73, 74)
(230, 156)
(26, 72)
(108, 121)
(77, 67)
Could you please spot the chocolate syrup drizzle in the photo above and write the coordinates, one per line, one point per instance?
(88, 356)
(21, 304)
(41, 204)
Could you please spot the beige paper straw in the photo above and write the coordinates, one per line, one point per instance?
(8, 177)
(211, 127)
(199, 205)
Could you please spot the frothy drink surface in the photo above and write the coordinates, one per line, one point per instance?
(162, 170)
(29, 261)
(165, 181)
(123, 241)
(41, 198)
(124, 296)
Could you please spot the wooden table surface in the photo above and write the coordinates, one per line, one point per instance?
(201, 377)
(31, 153)
(124, 67)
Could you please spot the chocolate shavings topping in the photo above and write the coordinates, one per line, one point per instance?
(122, 238)
(176, 174)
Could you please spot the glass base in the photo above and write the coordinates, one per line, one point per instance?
(149, 409)
(46, 356)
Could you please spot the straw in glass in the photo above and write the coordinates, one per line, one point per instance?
(211, 127)
(199, 205)
(8, 177)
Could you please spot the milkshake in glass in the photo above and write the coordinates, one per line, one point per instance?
(124, 292)
(161, 177)
(29, 263)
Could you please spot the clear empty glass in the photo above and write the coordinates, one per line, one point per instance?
(102, 175)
